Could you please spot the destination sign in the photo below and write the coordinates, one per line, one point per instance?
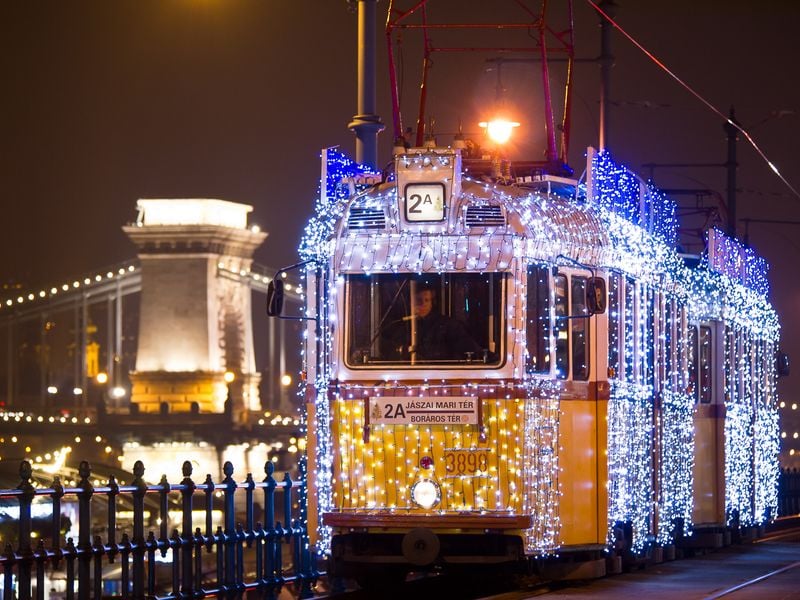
(404, 410)
(424, 202)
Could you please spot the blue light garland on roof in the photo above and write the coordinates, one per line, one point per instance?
(343, 178)
(622, 192)
(738, 262)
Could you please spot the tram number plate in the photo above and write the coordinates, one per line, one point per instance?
(466, 462)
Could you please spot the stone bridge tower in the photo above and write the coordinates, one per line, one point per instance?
(195, 325)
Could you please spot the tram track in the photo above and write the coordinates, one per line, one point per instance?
(752, 582)
(691, 578)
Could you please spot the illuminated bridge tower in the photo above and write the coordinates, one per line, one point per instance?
(195, 325)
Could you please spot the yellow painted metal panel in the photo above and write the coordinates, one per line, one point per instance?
(709, 491)
(311, 449)
(474, 473)
(579, 473)
(602, 471)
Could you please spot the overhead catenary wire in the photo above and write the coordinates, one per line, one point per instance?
(697, 95)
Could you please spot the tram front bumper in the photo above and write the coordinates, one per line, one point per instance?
(352, 553)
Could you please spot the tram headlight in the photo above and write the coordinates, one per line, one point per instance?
(499, 129)
(426, 493)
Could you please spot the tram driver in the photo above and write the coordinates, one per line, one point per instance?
(436, 336)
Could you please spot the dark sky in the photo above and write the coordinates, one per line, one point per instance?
(107, 101)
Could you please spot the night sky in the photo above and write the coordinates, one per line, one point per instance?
(107, 101)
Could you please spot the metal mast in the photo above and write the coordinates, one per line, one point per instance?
(606, 61)
(366, 124)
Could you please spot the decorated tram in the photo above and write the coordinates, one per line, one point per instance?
(504, 362)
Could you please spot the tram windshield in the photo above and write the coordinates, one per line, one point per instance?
(452, 319)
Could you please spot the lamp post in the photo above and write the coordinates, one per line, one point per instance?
(366, 124)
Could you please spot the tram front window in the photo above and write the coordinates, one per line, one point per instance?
(424, 320)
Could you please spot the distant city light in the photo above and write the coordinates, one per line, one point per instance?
(117, 392)
(229, 376)
(286, 380)
(77, 391)
(51, 389)
(101, 378)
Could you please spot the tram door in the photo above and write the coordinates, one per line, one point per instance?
(582, 422)
(705, 377)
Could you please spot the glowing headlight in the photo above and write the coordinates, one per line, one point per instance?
(499, 130)
(426, 493)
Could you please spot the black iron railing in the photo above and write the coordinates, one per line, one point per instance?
(194, 560)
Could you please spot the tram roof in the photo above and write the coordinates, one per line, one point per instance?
(542, 220)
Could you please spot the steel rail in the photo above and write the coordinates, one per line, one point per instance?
(753, 581)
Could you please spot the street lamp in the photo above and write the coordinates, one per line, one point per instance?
(499, 130)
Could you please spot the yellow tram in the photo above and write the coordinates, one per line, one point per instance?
(506, 362)
(592, 391)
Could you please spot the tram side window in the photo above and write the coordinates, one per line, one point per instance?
(538, 319)
(651, 324)
(613, 325)
(561, 326)
(668, 335)
(745, 366)
(730, 364)
(453, 319)
(630, 328)
(693, 363)
(580, 330)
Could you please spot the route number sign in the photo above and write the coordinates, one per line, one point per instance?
(424, 202)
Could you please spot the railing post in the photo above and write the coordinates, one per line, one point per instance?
(98, 551)
(208, 484)
(84, 530)
(278, 556)
(152, 545)
(250, 486)
(287, 521)
(230, 527)
(287, 503)
(176, 544)
(309, 572)
(259, 536)
(25, 529)
(8, 573)
(125, 552)
(138, 530)
(40, 556)
(240, 538)
(163, 498)
(55, 546)
(198, 558)
(219, 541)
(113, 492)
(187, 542)
(269, 529)
(71, 553)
